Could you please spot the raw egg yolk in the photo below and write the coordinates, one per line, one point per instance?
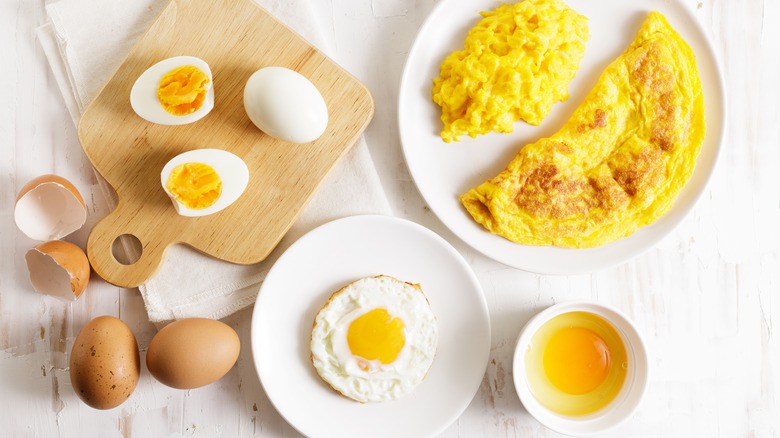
(183, 90)
(195, 185)
(576, 360)
(376, 335)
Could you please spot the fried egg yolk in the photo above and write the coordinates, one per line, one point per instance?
(577, 360)
(183, 90)
(376, 335)
(195, 185)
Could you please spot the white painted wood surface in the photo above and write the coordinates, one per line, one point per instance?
(706, 298)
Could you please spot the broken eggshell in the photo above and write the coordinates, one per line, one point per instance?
(49, 207)
(58, 268)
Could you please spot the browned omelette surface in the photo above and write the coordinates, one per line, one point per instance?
(617, 164)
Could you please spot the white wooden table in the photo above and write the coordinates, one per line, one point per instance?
(706, 298)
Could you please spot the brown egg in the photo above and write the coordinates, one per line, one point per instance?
(192, 352)
(58, 268)
(104, 363)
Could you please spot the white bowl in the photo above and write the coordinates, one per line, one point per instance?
(624, 404)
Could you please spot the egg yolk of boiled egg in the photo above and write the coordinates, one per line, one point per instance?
(195, 185)
(183, 90)
(576, 364)
(376, 335)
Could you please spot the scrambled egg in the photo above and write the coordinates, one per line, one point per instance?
(516, 63)
(620, 161)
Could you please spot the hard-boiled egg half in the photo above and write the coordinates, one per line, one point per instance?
(175, 91)
(204, 181)
(375, 339)
(285, 105)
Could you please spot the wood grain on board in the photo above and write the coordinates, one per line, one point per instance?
(130, 152)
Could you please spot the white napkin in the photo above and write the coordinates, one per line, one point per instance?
(85, 41)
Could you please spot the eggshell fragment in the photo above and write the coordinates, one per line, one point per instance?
(58, 268)
(104, 363)
(49, 207)
(192, 352)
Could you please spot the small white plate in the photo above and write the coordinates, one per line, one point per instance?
(323, 261)
(444, 171)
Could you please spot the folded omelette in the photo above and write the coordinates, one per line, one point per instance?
(617, 164)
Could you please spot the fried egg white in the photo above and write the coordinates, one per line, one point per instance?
(515, 64)
(617, 164)
(375, 339)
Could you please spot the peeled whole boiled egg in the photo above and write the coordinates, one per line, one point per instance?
(58, 268)
(175, 91)
(375, 339)
(204, 181)
(49, 207)
(285, 105)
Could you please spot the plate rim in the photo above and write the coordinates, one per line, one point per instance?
(395, 221)
(592, 264)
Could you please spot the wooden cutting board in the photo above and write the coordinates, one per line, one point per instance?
(236, 38)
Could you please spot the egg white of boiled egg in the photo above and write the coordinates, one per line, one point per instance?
(375, 339)
(285, 105)
(188, 96)
(204, 181)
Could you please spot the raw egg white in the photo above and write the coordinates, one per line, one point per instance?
(375, 339)
(576, 364)
(182, 84)
(285, 105)
(204, 181)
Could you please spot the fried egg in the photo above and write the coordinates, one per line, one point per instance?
(617, 164)
(515, 64)
(375, 339)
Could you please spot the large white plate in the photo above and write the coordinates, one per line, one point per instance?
(338, 253)
(443, 171)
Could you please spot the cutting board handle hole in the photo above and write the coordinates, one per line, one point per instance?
(127, 249)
